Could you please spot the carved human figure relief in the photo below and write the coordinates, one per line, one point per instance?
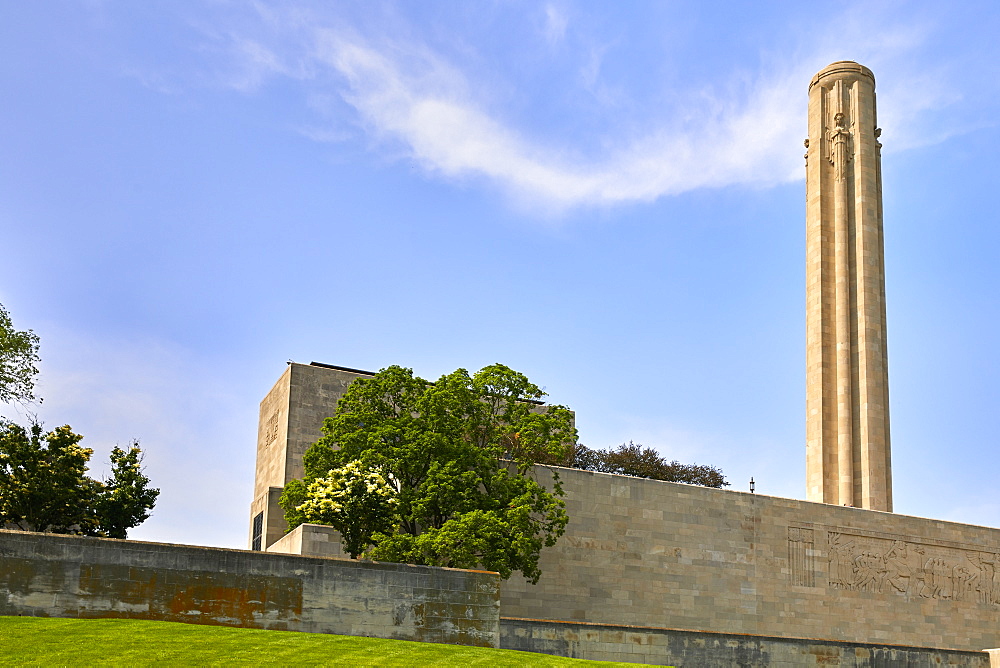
(936, 579)
(897, 572)
(839, 139)
(995, 584)
(986, 566)
(964, 582)
(841, 562)
(867, 567)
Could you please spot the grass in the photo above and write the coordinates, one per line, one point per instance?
(26, 641)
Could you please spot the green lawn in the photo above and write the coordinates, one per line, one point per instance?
(89, 642)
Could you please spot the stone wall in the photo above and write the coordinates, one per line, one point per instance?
(647, 553)
(700, 649)
(47, 575)
(657, 554)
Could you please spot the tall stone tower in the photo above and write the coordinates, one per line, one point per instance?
(847, 392)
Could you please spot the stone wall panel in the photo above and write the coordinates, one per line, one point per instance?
(68, 576)
(701, 559)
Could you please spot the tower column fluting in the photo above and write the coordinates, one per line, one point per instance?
(847, 431)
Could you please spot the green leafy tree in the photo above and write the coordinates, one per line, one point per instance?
(635, 460)
(43, 481)
(44, 485)
(458, 454)
(18, 361)
(126, 497)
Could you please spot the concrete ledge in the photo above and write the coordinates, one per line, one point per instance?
(703, 649)
(310, 540)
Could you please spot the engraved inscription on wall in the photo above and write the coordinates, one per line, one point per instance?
(801, 557)
(271, 429)
(882, 565)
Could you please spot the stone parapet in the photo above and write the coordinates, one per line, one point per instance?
(47, 575)
(311, 540)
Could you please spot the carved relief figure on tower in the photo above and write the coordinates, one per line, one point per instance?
(840, 145)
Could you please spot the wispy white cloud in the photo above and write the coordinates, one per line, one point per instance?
(608, 96)
(324, 134)
(259, 63)
(556, 21)
(153, 80)
(749, 133)
(426, 107)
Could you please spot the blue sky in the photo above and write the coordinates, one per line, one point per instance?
(608, 197)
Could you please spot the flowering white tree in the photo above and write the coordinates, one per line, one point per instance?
(356, 501)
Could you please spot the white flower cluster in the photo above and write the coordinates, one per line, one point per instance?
(348, 485)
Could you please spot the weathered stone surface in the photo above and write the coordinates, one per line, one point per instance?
(700, 649)
(47, 575)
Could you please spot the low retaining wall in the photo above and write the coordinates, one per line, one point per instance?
(47, 575)
(702, 649)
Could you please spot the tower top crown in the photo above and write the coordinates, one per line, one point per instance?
(842, 69)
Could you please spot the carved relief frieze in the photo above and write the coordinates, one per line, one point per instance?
(896, 566)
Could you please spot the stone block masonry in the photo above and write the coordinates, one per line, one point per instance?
(47, 575)
(647, 553)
